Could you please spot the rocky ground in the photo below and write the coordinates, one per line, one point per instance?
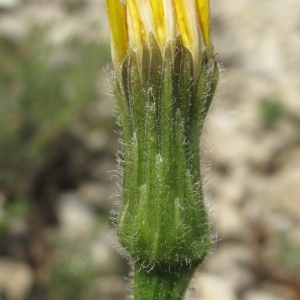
(252, 166)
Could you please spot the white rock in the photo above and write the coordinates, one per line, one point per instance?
(210, 287)
(16, 279)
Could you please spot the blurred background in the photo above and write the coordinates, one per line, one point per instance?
(58, 145)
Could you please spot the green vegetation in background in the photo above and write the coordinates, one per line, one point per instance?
(289, 253)
(11, 212)
(73, 274)
(43, 90)
(271, 112)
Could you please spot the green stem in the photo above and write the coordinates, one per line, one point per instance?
(162, 282)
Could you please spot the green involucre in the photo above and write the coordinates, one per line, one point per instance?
(162, 107)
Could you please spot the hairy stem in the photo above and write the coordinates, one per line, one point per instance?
(162, 282)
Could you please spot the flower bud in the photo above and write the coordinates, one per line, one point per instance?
(166, 76)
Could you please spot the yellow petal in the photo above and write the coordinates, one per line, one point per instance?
(159, 20)
(117, 22)
(146, 17)
(136, 30)
(182, 21)
(203, 9)
(170, 23)
(188, 25)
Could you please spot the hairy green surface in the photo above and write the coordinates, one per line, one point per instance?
(163, 223)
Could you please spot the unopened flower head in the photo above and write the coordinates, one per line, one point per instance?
(134, 22)
(164, 81)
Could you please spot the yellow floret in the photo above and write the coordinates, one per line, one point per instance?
(203, 9)
(117, 22)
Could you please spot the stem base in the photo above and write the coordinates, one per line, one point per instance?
(162, 282)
